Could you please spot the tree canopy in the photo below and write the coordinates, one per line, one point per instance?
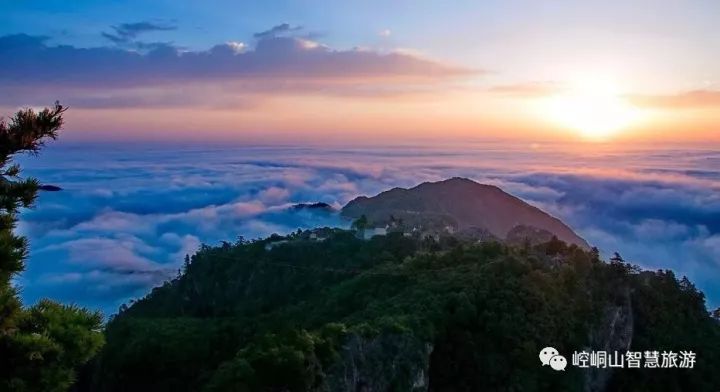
(466, 316)
(42, 346)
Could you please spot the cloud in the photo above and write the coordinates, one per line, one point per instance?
(278, 30)
(126, 33)
(121, 254)
(274, 57)
(274, 194)
(126, 218)
(697, 99)
(530, 89)
(226, 75)
(236, 46)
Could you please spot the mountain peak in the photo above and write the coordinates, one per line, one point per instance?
(459, 182)
(461, 203)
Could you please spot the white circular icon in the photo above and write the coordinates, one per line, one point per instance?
(558, 362)
(546, 354)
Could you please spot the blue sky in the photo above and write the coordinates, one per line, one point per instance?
(504, 36)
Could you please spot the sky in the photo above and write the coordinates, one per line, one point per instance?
(327, 71)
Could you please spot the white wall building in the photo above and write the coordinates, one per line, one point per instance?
(372, 232)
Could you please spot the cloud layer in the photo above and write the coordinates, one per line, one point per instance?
(128, 215)
(135, 73)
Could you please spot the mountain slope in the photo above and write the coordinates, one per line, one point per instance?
(398, 313)
(461, 203)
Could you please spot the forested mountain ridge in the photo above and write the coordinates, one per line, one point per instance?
(399, 313)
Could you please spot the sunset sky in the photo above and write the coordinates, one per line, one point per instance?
(368, 70)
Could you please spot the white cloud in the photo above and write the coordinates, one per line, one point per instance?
(101, 250)
(274, 195)
(236, 46)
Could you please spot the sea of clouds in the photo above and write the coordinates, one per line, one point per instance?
(128, 214)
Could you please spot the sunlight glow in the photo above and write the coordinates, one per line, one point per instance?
(595, 110)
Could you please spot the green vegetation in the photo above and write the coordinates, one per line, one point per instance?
(42, 346)
(396, 313)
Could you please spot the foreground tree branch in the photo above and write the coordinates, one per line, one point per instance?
(42, 346)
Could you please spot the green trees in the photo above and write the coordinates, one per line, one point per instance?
(360, 223)
(324, 315)
(40, 346)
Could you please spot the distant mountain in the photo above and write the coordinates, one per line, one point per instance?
(49, 188)
(313, 207)
(462, 204)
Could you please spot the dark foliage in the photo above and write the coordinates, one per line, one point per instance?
(40, 346)
(252, 316)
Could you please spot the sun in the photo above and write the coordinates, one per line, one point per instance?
(594, 110)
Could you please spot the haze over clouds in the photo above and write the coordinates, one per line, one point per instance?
(128, 215)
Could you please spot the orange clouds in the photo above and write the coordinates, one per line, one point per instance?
(530, 89)
(697, 99)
